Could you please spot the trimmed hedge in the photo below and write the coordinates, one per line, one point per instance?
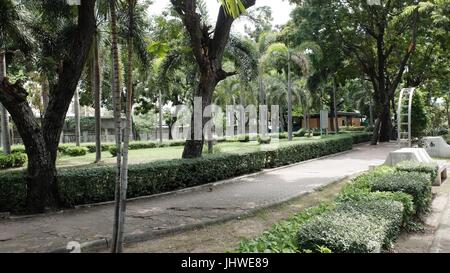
(76, 151)
(96, 184)
(264, 140)
(282, 237)
(418, 185)
(412, 166)
(361, 137)
(354, 227)
(366, 216)
(13, 160)
(294, 153)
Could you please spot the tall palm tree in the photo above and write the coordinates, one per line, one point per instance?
(116, 245)
(131, 29)
(281, 57)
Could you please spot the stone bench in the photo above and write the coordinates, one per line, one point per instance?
(436, 147)
(418, 155)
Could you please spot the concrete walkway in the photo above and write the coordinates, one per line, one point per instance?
(153, 216)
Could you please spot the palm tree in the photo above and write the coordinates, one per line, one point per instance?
(116, 245)
(278, 55)
(132, 31)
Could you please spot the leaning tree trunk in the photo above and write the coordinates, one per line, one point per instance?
(6, 143)
(41, 139)
(76, 107)
(97, 100)
(115, 245)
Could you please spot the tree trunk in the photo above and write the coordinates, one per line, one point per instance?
(41, 139)
(336, 119)
(97, 100)
(44, 93)
(290, 137)
(194, 146)
(160, 118)
(6, 143)
(386, 124)
(76, 107)
(115, 245)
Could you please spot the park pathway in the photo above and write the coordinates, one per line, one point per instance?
(151, 216)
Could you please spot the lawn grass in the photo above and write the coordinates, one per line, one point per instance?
(165, 153)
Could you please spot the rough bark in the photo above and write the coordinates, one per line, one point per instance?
(208, 52)
(41, 142)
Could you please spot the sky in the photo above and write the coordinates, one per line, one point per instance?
(281, 10)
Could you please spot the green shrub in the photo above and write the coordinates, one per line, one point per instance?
(294, 153)
(361, 137)
(357, 192)
(18, 149)
(300, 133)
(412, 166)
(264, 140)
(353, 128)
(282, 237)
(113, 150)
(62, 148)
(244, 138)
(360, 225)
(92, 147)
(76, 151)
(142, 145)
(418, 185)
(13, 160)
(96, 184)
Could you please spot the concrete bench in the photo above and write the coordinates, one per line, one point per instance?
(418, 155)
(436, 147)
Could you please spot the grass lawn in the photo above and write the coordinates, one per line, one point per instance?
(149, 155)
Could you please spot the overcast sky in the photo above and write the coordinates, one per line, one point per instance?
(280, 10)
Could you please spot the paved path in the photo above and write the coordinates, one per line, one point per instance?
(441, 241)
(153, 215)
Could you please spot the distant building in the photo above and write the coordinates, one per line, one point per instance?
(344, 119)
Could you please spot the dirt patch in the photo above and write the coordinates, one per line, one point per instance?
(226, 236)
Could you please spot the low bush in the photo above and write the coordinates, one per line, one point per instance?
(411, 166)
(361, 137)
(13, 160)
(300, 133)
(293, 153)
(92, 148)
(345, 230)
(418, 185)
(264, 140)
(282, 237)
(18, 149)
(353, 128)
(96, 184)
(76, 151)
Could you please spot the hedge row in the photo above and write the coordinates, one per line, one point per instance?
(367, 216)
(96, 184)
(13, 160)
